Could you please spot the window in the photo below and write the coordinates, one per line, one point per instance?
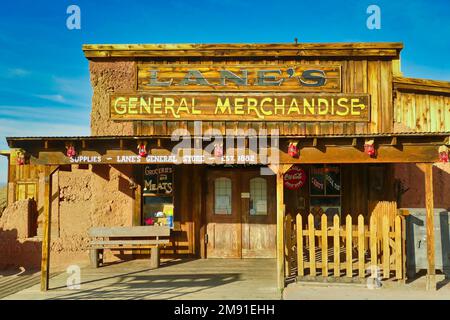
(222, 196)
(258, 197)
(26, 190)
(325, 190)
(158, 196)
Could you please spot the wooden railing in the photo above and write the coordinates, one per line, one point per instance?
(335, 249)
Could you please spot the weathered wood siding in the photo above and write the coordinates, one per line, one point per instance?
(359, 75)
(421, 112)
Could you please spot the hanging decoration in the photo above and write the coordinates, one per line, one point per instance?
(20, 157)
(293, 149)
(142, 149)
(443, 153)
(71, 153)
(369, 148)
(218, 150)
(294, 178)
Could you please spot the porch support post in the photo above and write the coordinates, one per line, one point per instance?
(45, 261)
(427, 168)
(280, 225)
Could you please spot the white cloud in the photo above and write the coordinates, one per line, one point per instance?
(17, 72)
(53, 97)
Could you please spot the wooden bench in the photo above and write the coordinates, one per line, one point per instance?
(127, 238)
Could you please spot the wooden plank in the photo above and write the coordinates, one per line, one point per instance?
(373, 245)
(415, 84)
(300, 264)
(386, 247)
(337, 246)
(99, 243)
(386, 108)
(288, 246)
(135, 231)
(361, 249)
(414, 148)
(398, 248)
(280, 230)
(429, 193)
(243, 50)
(154, 258)
(324, 242)
(348, 244)
(45, 260)
(373, 87)
(173, 105)
(235, 77)
(312, 246)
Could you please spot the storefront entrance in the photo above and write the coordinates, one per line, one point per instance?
(240, 213)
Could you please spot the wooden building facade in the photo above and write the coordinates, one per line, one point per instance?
(338, 120)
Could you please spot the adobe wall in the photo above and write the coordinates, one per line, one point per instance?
(83, 198)
(412, 179)
(109, 77)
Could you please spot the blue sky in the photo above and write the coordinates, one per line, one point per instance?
(44, 78)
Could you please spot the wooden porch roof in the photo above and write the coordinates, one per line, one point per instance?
(391, 148)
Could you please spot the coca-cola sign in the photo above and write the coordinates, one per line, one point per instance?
(294, 178)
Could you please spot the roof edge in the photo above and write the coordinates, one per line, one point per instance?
(417, 84)
(385, 49)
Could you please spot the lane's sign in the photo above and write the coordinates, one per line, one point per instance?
(240, 106)
(223, 77)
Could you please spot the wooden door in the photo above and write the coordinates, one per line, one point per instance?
(258, 203)
(223, 214)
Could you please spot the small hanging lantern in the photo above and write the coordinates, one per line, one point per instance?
(443, 153)
(293, 149)
(369, 148)
(20, 157)
(71, 153)
(218, 150)
(142, 149)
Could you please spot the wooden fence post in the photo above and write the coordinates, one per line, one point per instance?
(300, 264)
(348, 244)
(386, 247)
(373, 246)
(431, 271)
(288, 245)
(312, 246)
(45, 260)
(324, 236)
(398, 248)
(337, 246)
(280, 231)
(361, 250)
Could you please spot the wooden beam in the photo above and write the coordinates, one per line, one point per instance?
(45, 261)
(280, 225)
(315, 142)
(394, 141)
(280, 232)
(431, 272)
(243, 50)
(414, 84)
